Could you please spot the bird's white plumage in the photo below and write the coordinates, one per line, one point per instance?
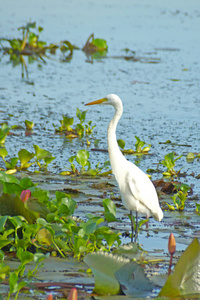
(136, 189)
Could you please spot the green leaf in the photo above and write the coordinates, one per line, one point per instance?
(82, 157)
(25, 156)
(44, 237)
(12, 163)
(109, 217)
(41, 153)
(104, 266)
(4, 130)
(109, 210)
(67, 206)
(12, 188)
(8, 178)
(4, 243)
(66, 123)
(185, 279)
(12, 205)
(190, 157)
(13, 279)
(101, 44)
(81, 115)
(109, 206)
(121, 143)
(26, 183)
(4, 271)
(29, 124)
(24, 256)
(3, 220)
(3, 152)
(133, 280)
(89, 227)
(35, 206)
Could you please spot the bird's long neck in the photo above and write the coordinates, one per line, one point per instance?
(115, 154)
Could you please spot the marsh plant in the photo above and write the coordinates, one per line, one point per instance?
(140, 147)
(25, 159)
(80, 164)
(71, 130)
(169, 162)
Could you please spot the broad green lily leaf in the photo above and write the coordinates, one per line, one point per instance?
(35, 206)
(185, 279)
(26, 183)
(104, 266)
(12, 188)
(133, 280)
(12, 205)
(8, 178)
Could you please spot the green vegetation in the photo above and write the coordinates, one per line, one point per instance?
(169, 163)
(82, 160)
(41, 158)
(140, 147)
(180, 197)
(81, 129)
(30, 45)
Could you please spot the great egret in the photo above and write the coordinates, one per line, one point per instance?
(136, 189)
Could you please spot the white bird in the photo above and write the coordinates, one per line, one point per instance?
(136, 189)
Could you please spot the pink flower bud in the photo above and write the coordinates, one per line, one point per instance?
(49, 297)
(25, 194)
(73, 294)
(171, 244)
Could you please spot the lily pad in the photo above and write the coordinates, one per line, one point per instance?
(185, 279)
(104, 266)
(133, 280)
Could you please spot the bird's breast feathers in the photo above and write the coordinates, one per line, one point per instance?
(137, 191)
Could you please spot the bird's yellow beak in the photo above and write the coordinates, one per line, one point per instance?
(97, 101)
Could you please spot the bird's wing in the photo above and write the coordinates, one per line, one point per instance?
(141, 187)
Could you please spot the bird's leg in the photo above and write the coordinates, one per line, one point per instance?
(136, 227)
(132, 225)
